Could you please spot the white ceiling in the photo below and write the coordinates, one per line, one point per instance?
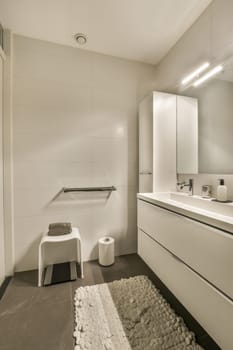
(142, 30)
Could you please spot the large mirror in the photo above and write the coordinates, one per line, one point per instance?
(215, 122)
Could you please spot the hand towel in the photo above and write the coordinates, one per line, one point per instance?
(59, 228)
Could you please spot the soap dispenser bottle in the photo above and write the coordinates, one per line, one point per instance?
(221, 191)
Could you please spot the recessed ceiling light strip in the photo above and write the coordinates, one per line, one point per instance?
(195, 73)
(208, 75)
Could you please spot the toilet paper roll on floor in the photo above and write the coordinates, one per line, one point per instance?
(106, 251)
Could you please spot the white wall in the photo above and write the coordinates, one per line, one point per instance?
(7, 155)
(209, 38)
(2, 239)
(75, 124)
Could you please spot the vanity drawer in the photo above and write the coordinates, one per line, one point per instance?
(207, 250)
(208, 306)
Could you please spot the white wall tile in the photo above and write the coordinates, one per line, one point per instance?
(61, 96)
(68, 174)
(52, 147)
(75, 125)
(46, 61)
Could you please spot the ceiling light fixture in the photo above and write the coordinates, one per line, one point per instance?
(80, 38)
(195, 73)
(208, 75)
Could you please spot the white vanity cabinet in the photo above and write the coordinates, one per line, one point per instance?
(146, 144)
(157, 142)
(195, 262)
(168, 140)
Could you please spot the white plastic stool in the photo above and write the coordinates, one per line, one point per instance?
(55, 239)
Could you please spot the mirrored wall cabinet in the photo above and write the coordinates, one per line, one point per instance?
(168, 140)
(215, 119)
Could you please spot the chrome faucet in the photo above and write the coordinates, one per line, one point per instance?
(189, 184)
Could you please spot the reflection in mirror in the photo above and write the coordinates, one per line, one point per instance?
(215, 122)
(187, 135)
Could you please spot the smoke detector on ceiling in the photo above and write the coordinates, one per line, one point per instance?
(80, 38)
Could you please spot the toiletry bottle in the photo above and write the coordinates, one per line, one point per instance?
(221, 191)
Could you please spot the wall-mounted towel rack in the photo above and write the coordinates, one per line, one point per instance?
(89, 189)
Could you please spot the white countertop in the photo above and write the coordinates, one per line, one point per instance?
(219, 215)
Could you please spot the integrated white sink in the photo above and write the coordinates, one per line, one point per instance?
(197, 207)
(203, 203)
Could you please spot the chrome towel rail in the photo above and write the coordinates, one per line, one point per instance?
(89, 189)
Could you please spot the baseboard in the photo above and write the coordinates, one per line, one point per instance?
(4, 285)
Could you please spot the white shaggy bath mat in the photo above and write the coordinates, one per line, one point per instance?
(125, 315)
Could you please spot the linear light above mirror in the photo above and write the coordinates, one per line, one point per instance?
(195, 74)
(208, 75)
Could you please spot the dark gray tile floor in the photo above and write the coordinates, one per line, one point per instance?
(33, 318)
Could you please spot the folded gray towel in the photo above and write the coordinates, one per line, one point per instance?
(66, 225)
(60, 228)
